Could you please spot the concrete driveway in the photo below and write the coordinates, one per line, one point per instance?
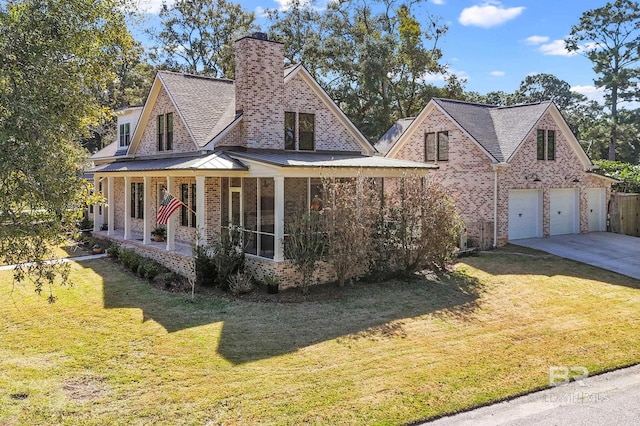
(606, 250)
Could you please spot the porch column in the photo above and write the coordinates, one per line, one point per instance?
(278, 201)
(96, 216)
(111, 205)
(171, 237)
(147, 220)
(200, 212)
(127, 207)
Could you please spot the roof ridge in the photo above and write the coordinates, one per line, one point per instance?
(457, 101)
(197, 76)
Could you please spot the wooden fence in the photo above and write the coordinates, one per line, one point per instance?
(624, 214)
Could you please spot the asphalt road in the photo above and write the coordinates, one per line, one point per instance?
(608, 399)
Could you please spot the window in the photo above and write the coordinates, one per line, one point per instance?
(188, 214)
(546, 144)
(443, 146)
(161, 133)
(289, 130)
(430, 147)
(169, 131)
(249, 204)
(436, 146)
(137, 200)
(125, 134)
(133, 200)
(184, 211)
(140, 206)
(306, 132)
(299, 131)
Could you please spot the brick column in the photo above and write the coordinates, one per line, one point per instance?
(171, 226)
(127, 207)
(200, 210)
(278, 201)
(111, 205)
(147, 220)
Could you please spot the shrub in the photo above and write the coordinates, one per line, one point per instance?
(305, 244)
(113, 251)
(240, 283)
(130, 259)
(352, 208)
(206, 274)
(151, 269)
(418, 228)
(215, 264)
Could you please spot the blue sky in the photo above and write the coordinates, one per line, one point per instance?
(494, 45)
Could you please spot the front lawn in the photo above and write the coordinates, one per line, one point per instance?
(115, 350)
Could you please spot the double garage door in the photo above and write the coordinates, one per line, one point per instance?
(525, 212)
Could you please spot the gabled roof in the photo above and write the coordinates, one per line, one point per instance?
(294, 70)
(498, 131)
(387, 140)
(205, 105)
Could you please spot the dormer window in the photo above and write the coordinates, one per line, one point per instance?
(165, 132)
(125, 134)
(299, 131)
(546, 144)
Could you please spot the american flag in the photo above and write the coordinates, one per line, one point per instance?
(169, 205)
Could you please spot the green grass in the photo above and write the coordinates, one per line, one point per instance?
(114, 350)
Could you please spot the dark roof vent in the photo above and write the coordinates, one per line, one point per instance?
(260, 36)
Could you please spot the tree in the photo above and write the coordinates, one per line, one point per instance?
(371, 56)
(56, 54)
(610, 37)
(196, 36)
(547, 87)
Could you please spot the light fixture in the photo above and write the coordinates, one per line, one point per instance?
(533, 176)
(572, 178)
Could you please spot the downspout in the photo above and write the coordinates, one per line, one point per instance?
(495, 206)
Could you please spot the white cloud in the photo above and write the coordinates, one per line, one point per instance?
(555, 48)
(261, 12)
(498, 73)
(591, 92)
(536, 39)
(439, 2)
(488, 14)
(152, 6)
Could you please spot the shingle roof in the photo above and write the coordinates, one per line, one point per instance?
(322, 159)
(215, 161)
(390, 138)
(206, 104)
(499, 130)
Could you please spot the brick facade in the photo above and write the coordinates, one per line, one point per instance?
(182, 141)
(259, 86)
(469, 175)
(331, 135)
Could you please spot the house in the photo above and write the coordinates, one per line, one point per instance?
(248, 153)
(515, 172)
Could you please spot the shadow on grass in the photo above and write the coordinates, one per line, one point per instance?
(257, 330)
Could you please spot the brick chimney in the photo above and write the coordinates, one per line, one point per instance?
(259, 89)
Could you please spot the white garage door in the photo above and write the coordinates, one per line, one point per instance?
(597, 209)
(525, 213)
(563, 211)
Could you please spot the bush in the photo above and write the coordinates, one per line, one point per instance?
(130, 259)
(113, 251)
(240, 283)
(305, 244)
(206, 273)
(150, 269)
